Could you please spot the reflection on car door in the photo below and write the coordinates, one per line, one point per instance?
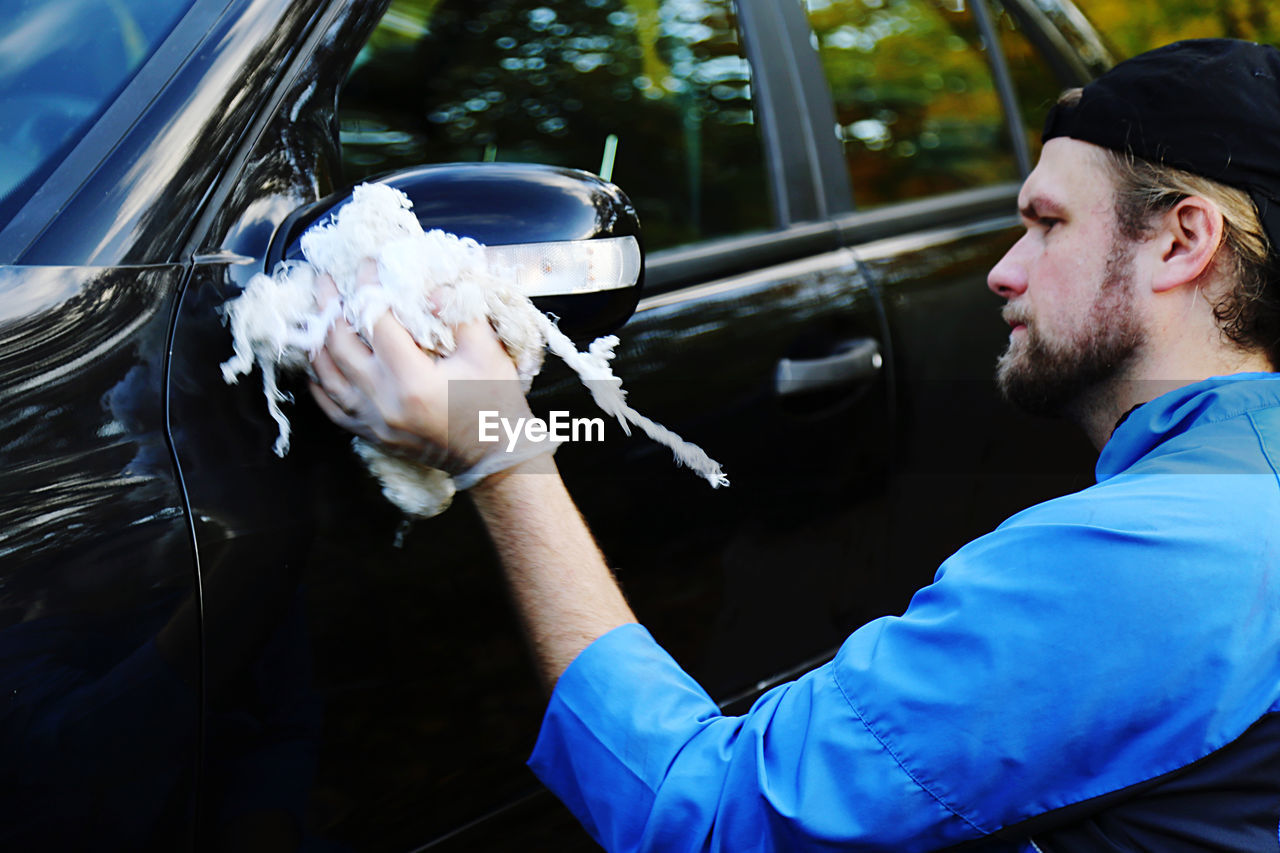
(98, 637)
(747, 583)
(935, 150)
(421, 665)
(407, 675)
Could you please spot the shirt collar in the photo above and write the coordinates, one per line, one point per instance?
(1173, 413)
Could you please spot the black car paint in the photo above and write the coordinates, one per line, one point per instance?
(183, 611)
(500, 204)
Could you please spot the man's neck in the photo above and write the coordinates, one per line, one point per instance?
(1099, 411)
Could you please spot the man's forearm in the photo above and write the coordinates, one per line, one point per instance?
(564, 590)
(395, 393)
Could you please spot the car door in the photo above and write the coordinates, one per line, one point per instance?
(406, 668)
(937, 129)
(120, 118)
(371, 664)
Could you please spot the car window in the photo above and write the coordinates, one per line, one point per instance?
(916, 103)
(62, 62)
(1036, 86)
(654, 95)
(1096, 51)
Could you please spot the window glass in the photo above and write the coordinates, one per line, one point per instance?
(1036, 86)
(62, 62)
(653, 94)
(916, 104)
(1097, 52)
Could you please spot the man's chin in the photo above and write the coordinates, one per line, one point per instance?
(1037, 392)
(1031, 399)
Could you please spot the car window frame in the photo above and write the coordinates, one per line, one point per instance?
(1003, 80)
(993, 202)
(814, 208)
(808, 181)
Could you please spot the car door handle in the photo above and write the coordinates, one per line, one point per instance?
(853, 361)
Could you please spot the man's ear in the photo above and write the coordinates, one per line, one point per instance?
(1185, 242)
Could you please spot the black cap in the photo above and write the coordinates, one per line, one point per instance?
(1207, 106)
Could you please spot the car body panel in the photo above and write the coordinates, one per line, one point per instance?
(325, 672)
(97, 565)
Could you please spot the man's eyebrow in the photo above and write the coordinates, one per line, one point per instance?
(1039, 206)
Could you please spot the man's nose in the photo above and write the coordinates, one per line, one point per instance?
(1008, 278)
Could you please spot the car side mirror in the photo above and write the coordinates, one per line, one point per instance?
(577, 235)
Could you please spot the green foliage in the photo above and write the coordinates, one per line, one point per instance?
(1137, 25)
(915, 98)
(550, 81)
(665, 81)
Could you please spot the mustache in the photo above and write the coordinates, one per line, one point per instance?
(1016, 315)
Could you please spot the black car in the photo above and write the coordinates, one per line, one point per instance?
(206, 646)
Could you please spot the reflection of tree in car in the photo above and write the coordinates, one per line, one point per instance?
(98, 651)
(550, 82)
(914, 97)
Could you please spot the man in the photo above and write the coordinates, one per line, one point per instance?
(1102, 671)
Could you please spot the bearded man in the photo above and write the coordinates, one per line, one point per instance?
(1102, 671)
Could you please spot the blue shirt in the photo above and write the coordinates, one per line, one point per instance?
(1086, 647)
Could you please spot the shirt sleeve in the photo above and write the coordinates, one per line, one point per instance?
(1083, 647)
(655, 766)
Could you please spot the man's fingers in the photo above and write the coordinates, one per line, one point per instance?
(335, 412)
(440, 298)
(326, 404)
(349, 353)
(326, 290)
(387, 388)
(397, 348)
(327, 373)
(477, 341)
(389, 339)
(477, 335)
(330, 380)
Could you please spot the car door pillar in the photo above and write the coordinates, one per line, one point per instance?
(808, 179)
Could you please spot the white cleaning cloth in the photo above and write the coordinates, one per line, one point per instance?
(278, 324)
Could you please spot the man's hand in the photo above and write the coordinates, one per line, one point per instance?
(392, 392)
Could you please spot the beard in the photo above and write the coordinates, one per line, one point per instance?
(1070, 377)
